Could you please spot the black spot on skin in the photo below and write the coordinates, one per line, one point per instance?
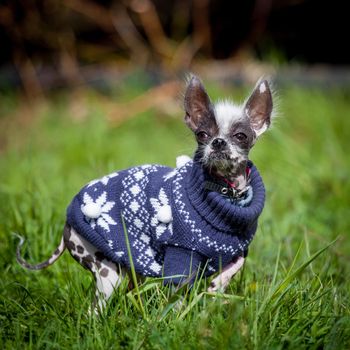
(56, 252)
(99, 256)
(87, 261)
(104, 272)
(77, 258)
(98, 264)
(80, 249)
(70, 245)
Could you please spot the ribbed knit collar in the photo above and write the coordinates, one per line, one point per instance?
(216, 210)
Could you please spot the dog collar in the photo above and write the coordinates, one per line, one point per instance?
(230, 191)
(229, 188)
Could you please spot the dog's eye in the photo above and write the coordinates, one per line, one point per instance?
(202, 136)
(240, 136)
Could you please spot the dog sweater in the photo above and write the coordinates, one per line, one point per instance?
(174, 226)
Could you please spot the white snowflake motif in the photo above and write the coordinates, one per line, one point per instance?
(162, 218)
(104, 180)
(139, 175)
(96, 212)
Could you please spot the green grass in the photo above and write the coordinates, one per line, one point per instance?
(290, 295)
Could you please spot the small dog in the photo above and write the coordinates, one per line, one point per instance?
(198, 218)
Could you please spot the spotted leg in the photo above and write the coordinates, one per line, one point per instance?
(107, 274)
(221, 281)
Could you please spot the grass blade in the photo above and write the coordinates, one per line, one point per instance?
(284, 284)
(133, 272)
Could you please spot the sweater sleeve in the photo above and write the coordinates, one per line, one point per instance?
(183, 262)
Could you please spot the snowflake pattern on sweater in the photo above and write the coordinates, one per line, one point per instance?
(171, 221)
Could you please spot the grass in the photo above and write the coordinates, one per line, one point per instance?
(293, 292)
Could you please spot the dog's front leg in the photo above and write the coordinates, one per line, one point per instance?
(221, 281)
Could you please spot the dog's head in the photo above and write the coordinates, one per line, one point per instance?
(226, 132)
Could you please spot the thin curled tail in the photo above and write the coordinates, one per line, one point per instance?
(57, 253)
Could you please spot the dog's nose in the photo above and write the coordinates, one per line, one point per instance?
(219, 144)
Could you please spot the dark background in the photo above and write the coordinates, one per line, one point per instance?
(52, 40)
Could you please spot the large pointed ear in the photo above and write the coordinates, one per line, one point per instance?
(259, 106)
(197, 103)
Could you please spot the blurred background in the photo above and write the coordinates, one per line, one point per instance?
(88, 87)
(46, 45)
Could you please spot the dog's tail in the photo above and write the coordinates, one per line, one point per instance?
(57, 253)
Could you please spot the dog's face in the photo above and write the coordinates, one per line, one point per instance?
(225, 132)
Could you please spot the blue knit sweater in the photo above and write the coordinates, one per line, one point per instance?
(174, 226)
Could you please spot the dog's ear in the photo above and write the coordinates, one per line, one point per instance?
(197, 103)
(258, 107)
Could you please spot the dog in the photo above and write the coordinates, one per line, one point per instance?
(196, 219)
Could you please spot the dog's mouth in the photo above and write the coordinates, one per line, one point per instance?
(219, 156)
(221, 161)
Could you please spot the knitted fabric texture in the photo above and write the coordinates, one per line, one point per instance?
(174, 226)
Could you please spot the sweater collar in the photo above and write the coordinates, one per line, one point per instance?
(214, 208)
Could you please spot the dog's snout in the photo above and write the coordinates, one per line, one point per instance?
(218, 144)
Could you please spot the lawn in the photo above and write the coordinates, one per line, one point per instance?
(293, 292)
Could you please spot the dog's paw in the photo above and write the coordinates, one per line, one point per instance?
(218, 284)
(213, 288)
